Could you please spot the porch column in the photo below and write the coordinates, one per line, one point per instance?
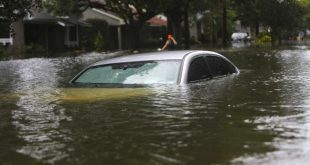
(119, 36)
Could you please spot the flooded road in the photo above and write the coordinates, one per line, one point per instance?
(261, 116)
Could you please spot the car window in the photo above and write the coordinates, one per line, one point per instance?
(198, 70)
(219, 66)
(147, 72)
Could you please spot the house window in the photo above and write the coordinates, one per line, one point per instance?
(4, 31)
(72, 36)
(5, 37)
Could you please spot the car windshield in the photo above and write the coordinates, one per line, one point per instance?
(147, 72)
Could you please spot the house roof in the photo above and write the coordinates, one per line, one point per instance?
(158, 20)
(111, 18)
(42, 17)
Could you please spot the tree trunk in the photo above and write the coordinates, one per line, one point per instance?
(280, 38)
(256, 29)
(186, 31)
(169, 24)
(135, 32)
(224, 24)
(214, 36)
(273, 38)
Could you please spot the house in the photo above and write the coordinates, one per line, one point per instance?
(52, 33)
(117, 34)
(56, 34)
(114, 32)
(158, 21)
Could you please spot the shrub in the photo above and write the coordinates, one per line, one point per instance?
(99, 43)
(34, 49)
(1, 53)
(263, 38)
(89, 34)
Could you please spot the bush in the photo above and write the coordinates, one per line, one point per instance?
(1, 53)
(90, 34)
(263, 38)
(34, 49)
(99, 43)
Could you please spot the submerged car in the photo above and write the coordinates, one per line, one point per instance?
(240, 36)
(168, 67)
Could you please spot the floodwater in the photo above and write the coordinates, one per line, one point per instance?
(261, 116)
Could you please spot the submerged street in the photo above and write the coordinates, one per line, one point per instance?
(261, 116)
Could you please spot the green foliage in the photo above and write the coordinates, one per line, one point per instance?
(145, 8)
(263, 38)
(1, 53)
(12, 10)
(64, 7)
(89, 35)
(305, 4)
(281, 16)
(33, 49)
(99, 42)
(59, 7)
(248, 11)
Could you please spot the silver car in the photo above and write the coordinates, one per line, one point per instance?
(169, 67)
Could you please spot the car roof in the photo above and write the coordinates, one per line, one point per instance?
(152, 56)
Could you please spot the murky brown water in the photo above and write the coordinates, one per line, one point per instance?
(261, 116)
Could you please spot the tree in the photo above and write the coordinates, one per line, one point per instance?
(217, 15)
(281, 16)
(305, 4)
(224, 23)
(249, 13)
(61, 7)
(12, 10)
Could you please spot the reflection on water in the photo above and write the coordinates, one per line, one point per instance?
(258, 117)
(38, 116)
(38, 119)
(95, 94)
(291, 146)
(241, 44)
